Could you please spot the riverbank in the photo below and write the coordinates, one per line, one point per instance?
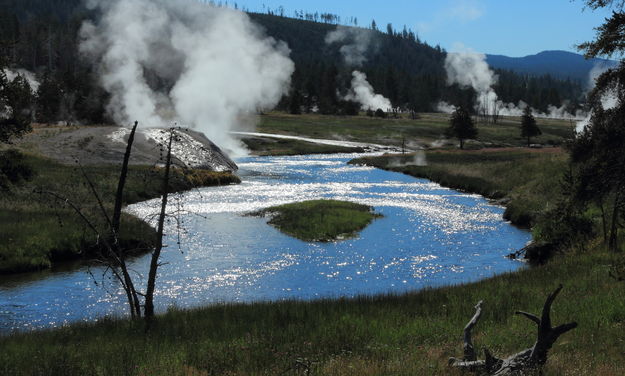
(38, 230)
(410, 334)
(526, 181)
(264, 146)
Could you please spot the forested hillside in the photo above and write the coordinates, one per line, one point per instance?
(42, 36)
(559, 64)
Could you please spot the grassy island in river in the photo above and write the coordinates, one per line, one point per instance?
(320, 220)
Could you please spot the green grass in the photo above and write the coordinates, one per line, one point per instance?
(426, 129)
(37, 230)
(269, 146)
(410, 334)
(527, 179)
(320, 220)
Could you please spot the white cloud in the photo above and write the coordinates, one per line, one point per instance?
(463, 11)
(466, 11)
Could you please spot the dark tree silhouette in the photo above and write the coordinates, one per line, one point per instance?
(598, 162)
(529, 128)
(15, 114)
(461, 126)
(16, 103)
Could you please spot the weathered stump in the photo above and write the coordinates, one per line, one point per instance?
(526, 362)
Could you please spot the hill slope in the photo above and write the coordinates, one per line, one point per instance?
(561, 64)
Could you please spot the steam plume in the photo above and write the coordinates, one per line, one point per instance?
(28, 76)
(179, 60)
(362, 92)
(355, 42)
(468, 68)
(608, 101)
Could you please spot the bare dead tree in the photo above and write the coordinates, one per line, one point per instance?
(496, 111)
(110, 252)
(529, 361)
(156, 253)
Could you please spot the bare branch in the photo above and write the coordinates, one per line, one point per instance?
(469, 349)
(96, 195)
(545, 319)
(530, 316)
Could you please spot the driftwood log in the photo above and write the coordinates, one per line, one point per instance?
(526, 362)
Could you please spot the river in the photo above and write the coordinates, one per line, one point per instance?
(428, 236)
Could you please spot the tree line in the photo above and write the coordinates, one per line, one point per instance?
(42, 36)
(400, 66)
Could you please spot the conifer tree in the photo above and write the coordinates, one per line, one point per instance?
(528, 125)
(461, 126)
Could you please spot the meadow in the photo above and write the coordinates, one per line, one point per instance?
(426, 130)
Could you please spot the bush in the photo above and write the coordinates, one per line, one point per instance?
(13, 169)
(564, 226)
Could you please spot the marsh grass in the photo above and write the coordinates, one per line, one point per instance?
(320, 220)
(37, 230)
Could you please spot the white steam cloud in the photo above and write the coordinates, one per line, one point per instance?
(362, 92)
(445, 107)
(166, 61)
(355, 43)
(27, 75)
(608, 101)
(468, 68)
(11, 75)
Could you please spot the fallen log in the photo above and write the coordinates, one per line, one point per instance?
(527, 362)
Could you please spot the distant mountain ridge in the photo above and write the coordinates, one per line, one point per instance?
(561, 64)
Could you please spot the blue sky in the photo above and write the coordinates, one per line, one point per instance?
(506, 27)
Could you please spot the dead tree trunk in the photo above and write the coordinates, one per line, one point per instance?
(528, 361)
(156, 254)
(117, 211)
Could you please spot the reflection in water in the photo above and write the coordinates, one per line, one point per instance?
(429, 236)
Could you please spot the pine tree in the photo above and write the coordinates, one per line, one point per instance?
(16, 100)
(461, 126)
(295, 105)
(528, 125)
(48, 99)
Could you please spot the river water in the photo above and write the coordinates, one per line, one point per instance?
(428, 236)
